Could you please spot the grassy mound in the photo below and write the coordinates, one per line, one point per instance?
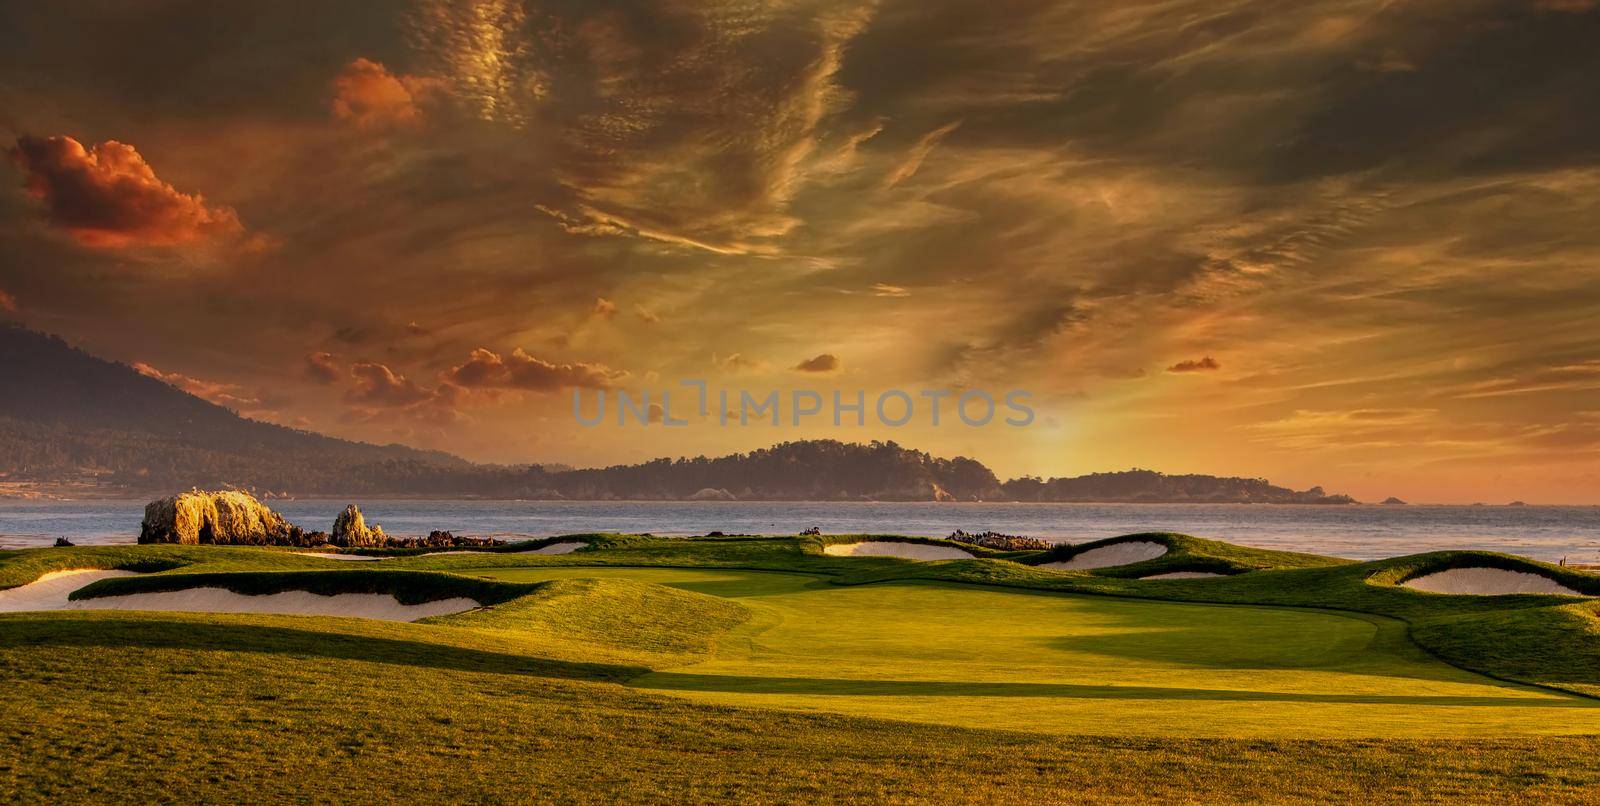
(1402, 569)
(1184, 553)
(521, 700)
(109, 707)
(612, 619)
(1557, 646)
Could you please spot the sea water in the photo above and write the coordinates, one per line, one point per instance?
(1361, 532)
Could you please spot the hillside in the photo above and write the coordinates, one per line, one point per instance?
(69, 420)
(67, 416)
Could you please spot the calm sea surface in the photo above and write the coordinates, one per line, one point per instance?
(1358, 532)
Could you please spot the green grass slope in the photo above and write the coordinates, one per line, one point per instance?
(1186, 553)
(611, 619)
(762, 669)
(986, 657)
(166, 707)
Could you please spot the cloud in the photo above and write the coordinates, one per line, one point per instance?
(1574, 377)
(694, 127)
(377, 386)
(379, 395)
(919, 151)
(737, 362)
(645, 314)
(485, 369)
(1207, 364)
(322, 368)
(223, 394)
(604, 308)
(368, 96)
(886, 290)
(8, 303)
(826, 362)
(1128, 373)
(108, 197)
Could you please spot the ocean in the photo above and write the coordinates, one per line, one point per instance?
(1550, 533)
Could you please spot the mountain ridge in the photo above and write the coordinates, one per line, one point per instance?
(70, 420)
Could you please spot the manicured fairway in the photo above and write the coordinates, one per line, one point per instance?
(985, 657)
(651, 670)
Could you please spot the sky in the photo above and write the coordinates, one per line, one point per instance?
(1331, 242)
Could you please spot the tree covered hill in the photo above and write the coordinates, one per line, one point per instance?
(69, 418)
(66, 415)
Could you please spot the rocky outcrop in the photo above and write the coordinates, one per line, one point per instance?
(226, 518)
(439, 539)
(350, 530)
(1000, 542)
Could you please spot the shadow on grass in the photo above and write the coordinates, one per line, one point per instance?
(20, 632)
(679, 681)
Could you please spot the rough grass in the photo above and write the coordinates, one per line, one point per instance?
(141, 707)
(523, 702)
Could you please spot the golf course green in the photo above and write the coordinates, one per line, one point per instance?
(1059, 663)
(767, 668)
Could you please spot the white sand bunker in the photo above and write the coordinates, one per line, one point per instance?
(558, 548)
(328, 555)
(890, 548)
(1487, 582)
(1184, 575)
(1125, 553)
(381, 606)
(50, 592)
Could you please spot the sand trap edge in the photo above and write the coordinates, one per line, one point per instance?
(893, 548)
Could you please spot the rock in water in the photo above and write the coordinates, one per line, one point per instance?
(226, 518)
(350, 530)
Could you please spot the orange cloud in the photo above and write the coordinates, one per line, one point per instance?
(737, 362)
(8, 303)
(367, 95)
(377, 386)
(485, 369)
(827, 362)
(222, 394)
(108, 197)
(645, 314)
(322, 368)
(380, 394)
(604, 307)
(1207, 364)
